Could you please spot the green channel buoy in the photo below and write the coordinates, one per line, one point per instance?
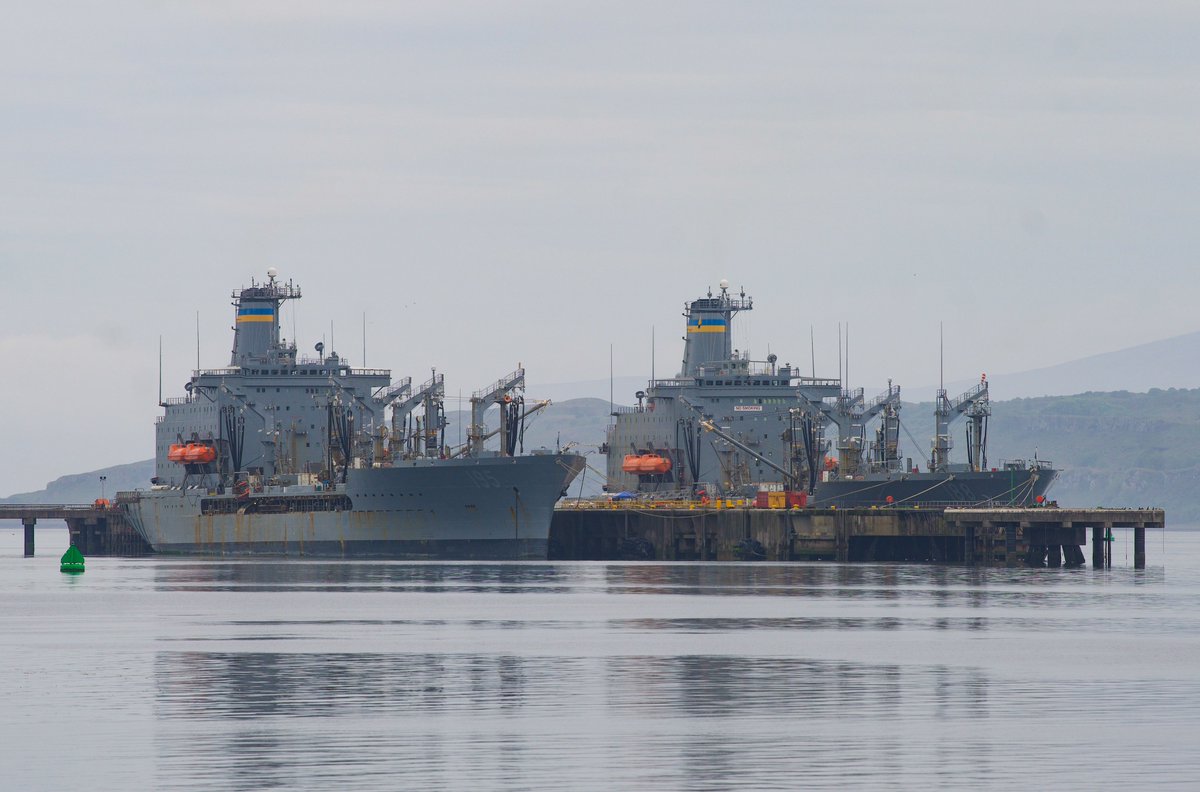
(72, 561)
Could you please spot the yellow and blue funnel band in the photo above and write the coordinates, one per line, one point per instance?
(255, 314)
(706, 324)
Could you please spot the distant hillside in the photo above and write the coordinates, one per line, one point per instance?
(1115, 449)
(85, 487)
(1158, 364)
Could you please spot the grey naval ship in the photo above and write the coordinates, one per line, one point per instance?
(729, 426)
(289, 455)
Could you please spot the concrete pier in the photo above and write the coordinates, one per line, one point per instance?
(1040, 537)
(94, 530)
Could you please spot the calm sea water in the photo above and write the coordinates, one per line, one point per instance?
(194, 674)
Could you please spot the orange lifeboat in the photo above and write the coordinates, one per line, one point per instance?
(177, 452)
(646, 464)
(199, 454)
(654, 464)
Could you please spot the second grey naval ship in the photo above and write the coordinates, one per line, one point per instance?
(731, 426)
(283, 454)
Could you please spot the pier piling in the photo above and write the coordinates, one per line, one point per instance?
(1139, 547)
(29, 523)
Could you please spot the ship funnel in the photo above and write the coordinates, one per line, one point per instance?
(708, 340)
(256, 320)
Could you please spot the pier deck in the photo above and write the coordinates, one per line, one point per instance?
(1043, 536)
(95, 530)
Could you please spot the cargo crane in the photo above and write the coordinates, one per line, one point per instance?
(511, 425)
(885, 450)
(791, 477)
(850, 413)
(431, 394)
(975, 405)
(537, 406)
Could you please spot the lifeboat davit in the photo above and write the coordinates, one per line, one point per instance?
(177, 453)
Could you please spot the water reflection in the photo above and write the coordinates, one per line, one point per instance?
(292, 575)
(698, 722)
(263, 720)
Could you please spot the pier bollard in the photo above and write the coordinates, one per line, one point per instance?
(1097, 547)
(29, 522)
(1139, 547)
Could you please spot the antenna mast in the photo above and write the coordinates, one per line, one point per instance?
(812, 349)
(610, 380)
(841, 382)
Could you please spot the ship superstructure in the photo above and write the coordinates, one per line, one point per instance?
(729, 424)
(282, 453)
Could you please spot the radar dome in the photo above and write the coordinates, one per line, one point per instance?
(272, 273)
(724, 284)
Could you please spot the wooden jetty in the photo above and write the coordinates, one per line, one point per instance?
(96, 529)
(1042, 536)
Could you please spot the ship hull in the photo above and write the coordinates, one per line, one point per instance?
(471, 509)
(993, 488)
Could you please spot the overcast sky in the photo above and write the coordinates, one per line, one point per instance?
(494, 183)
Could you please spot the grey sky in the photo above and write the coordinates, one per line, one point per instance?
(497, 183)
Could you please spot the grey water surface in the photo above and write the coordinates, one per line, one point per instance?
(181, 673)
